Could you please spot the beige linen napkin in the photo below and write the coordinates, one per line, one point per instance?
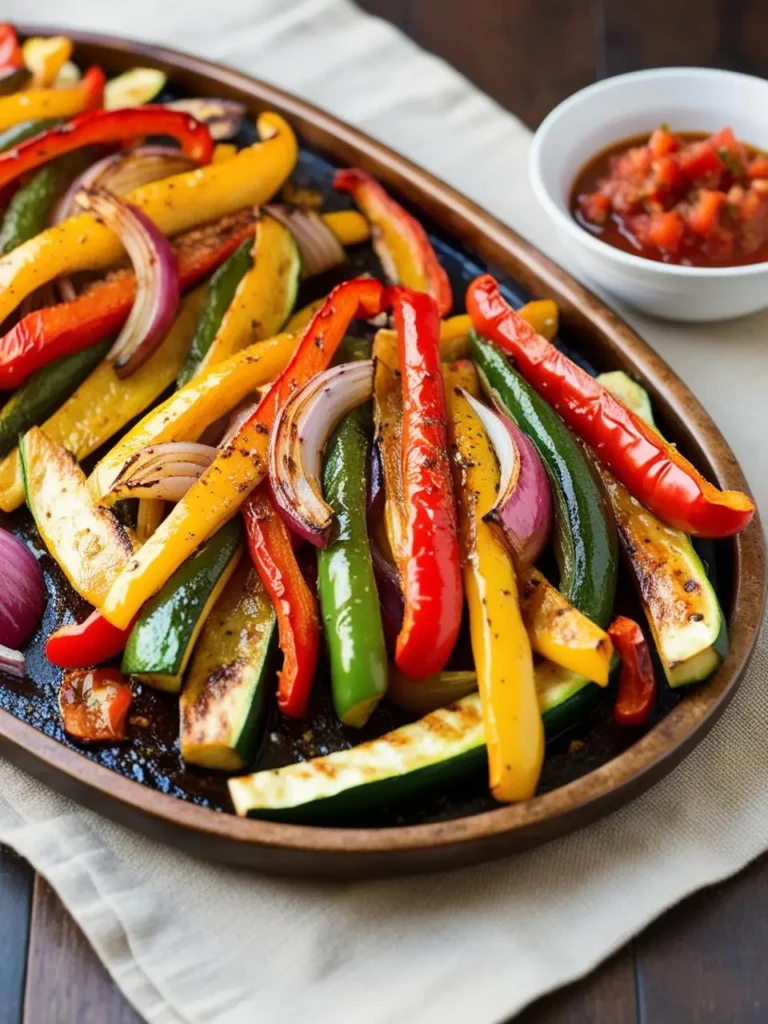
(193, 942)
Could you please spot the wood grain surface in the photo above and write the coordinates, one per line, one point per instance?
(702, 963)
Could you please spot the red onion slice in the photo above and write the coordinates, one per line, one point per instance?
(301, 430)
(12, 662)
(22, 592)
(319, 248)
(523, 508)
(157, 279)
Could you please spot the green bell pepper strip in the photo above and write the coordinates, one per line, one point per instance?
(349, 601)
(221, 292)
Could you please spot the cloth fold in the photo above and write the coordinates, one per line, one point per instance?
(194, 943)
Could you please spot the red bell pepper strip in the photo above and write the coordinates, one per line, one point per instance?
(652, 470)
(104, 126)
(431, 570)
(48, 334)
(10, 51)
(298, 620)
(400, 241)
(637, 682)
(86, 643)
(94, 705)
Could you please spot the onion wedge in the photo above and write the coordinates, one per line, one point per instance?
(157, 279)
(319, 248)
(163, 471)
(523, 509)
(302, 428)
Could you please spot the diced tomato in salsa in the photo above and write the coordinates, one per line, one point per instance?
(687, 199)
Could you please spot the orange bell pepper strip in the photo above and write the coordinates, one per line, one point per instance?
(55, 331)
(99, 127)
(400, 241)
(298, 620)
(430, 570)
(242, 464)
(637, 681)
(34, 103)
(86, 643)
(650, 468)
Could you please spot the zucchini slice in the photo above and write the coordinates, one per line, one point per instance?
(680, 603)
(445, 746)
(161, 642)
(133, 88)
(440, 748)
(86, 540)
(231, 677)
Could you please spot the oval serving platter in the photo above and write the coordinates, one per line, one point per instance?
(588, 773)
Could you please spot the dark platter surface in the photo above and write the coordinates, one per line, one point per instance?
(452, 825)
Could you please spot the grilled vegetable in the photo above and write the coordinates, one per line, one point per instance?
(231, 678)
(30, 208)
(264, 297)
(585, 536)
(637, 682)
(220, 293)
(186, 414)
(134, 88)
(679, 602)
(87, 541)
(427, 756)
(161, 642)
(349, 602)
(85, 643)
(42, 393)
(500, 644)
(654, 472)
(94, 705)
(104, 403)
(32, 104)
(242, 464)
(174, 204)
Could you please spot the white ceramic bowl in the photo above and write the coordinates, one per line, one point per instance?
(688, 99)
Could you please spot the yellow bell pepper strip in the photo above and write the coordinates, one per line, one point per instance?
(500, 645)
(34, 103)
(541, 314)
(148, 517)
(242, 464)
(561, 633)
(186, 414)
(388, 436)
(400, 241)
(222, 152)
(104, 403)
(175, 204)
(46, 57)
(265, 294)
(303, 316)
(349, 226)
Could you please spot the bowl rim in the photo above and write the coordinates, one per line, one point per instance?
(346, 852)
(565, 220)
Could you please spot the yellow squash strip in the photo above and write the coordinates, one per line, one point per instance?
(186, 414)
(258, 310)
(561, 633)
(175, 204)
(500, 646)
(46, 57)
(541, 314)
(104, 403)
(349, 226)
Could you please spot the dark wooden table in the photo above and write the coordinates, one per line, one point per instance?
(703, 961)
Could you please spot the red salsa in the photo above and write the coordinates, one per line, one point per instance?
(688, 198)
